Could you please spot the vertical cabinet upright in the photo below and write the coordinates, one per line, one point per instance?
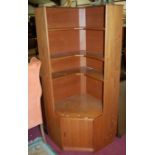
(80, 51)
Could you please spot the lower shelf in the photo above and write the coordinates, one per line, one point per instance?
(88, 54)
(82, 70)
(82, 106)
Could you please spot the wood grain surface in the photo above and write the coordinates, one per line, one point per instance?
(80, 50)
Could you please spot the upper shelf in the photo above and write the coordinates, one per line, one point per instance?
(76, 28)
(90, 72)
(94, 55)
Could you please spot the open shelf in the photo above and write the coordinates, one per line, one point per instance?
(80, 50)
(63, 55)
(85, 106)
(95, 28)
(95, 55)
(76, 28)
(82, 70)
(58, 55)
(94, 74)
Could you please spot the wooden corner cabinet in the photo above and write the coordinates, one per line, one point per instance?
(80, 51)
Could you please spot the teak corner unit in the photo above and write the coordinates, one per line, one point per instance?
(80, 51)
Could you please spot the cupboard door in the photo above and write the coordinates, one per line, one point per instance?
(76, 133)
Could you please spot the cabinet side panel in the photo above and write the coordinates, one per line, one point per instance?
(44, 55)
(113, 41)
(47, 83)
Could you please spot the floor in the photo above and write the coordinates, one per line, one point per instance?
(118, 147)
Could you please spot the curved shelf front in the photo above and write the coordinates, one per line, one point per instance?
(76, 28)
(64, 55)
(92, 73)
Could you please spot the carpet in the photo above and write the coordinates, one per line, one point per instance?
(117, 147)
(38, 147)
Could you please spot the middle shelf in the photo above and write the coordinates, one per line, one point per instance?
(81, 70)
(62, 55)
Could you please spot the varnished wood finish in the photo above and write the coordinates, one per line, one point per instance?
(63, 55)
(112, 67)
(47, 83)
(95, 17)
(93, 63)
(94, 88)
(98, 131)
(65, 64)
(95, 41)
(77, 133)
(107, 124)
(64, 41)
(79, 106)
(66, 86)
(80, 51)
(95, 55)
(76, 28)
(63, 17)
(89, 72)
